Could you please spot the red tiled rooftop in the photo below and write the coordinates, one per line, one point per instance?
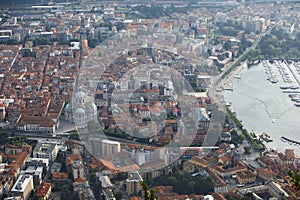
(60, 175)
(43, 121)
(79, 180)
(43, 190)
(73, 157)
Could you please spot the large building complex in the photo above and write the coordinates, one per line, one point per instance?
(46, 150)
(23, 187)
(110, 147)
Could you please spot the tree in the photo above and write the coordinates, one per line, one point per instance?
(92, 43)
(294, 179)
(192, 185)
(247, 150)
(241, 138)
(12, 42)
(93, 177)
(120, 26)
(226, 55)
(209, 52)
(154, 11)
(48, 28)
(206, 185)
(227, 45)
(146, 191)
(152, 194)
(74, 136)
(119, 195)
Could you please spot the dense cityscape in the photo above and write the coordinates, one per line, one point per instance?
(160, 100)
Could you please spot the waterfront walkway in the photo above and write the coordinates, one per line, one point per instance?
(226, 83)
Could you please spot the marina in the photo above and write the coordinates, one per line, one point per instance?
(271, 76)
(286, 70)
(263, 106)
(286, 77)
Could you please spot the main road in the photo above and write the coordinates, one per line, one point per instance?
(227, 70)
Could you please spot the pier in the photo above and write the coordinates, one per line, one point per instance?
(291, 91)
(296, 76)
(228, 87)
(284, 139)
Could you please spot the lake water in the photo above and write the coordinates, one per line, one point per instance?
(263, 107)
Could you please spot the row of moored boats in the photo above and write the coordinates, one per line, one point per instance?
(271, 76)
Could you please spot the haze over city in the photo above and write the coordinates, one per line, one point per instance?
(155, 100)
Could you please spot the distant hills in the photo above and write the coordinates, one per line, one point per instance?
(4, 3)
(18, 2)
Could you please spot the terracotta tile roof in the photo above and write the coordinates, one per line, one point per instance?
(220, 151)
(219, 182)
(11, 169)
(182, 197)
(175, 110)
(225, 158)
(218, 196)
(290, 153)
(224, 145)
(43, 190)
(128, 168)
(246, 174)
(19, 159)
(60, 175)
(43, 121)
(109, 165)
(139, 146)
(265, 171)
(73, 157)
(113, 169)
(79, 180)
(170, 121)
(265, 161)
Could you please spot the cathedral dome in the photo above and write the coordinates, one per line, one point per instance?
(68, 107)
(80, 95)
(80, 111)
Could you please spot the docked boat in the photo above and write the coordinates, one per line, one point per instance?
(294, 97)
(294, 87)
(255, 62)
(284, 87)
(228, 104)
(266, 137)
(273, 80)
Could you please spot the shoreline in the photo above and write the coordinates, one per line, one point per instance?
(278, 106)
(227, 81)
